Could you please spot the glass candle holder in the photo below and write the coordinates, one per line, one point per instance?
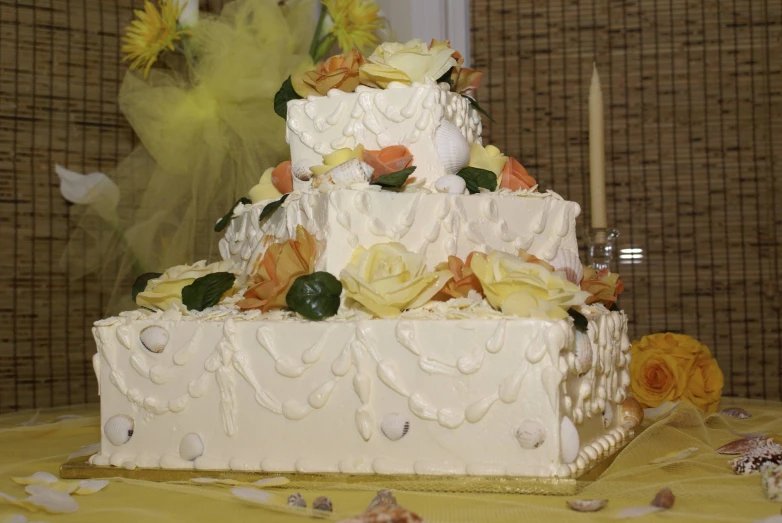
(601, 250)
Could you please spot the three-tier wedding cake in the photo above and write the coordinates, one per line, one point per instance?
(396, 299)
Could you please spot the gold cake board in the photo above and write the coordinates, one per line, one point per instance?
(80, 468)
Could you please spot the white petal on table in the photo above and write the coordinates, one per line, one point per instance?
(51, 501)
(38, 478)
(252, 495)
(85, 451)
(676, 456)
(636, 512)
(90, 486)
(656, 413)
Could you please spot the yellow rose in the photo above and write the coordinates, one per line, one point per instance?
(164, 291)
(387, 278)
(489, 158)
(656, 377)
(526, 288)
(338, 157)
(411, 62)
(265, 190)
(704, 388)
(688, 363)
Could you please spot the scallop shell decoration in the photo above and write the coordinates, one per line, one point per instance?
(119, 429)
(395, 426)
(583, 353)
(154, 338)
(452, 147)
(569, 440)
(191, 447)
(450, 184)
(530, 434)
(569, 263)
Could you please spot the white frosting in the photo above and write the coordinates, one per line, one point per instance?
(377, 118)
(435, 225)
(318, 402)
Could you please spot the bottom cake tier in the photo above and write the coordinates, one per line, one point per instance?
(485, 396)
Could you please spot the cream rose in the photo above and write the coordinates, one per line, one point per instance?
(525, 288)
(166, 290)
(387, 279)
(411, 62)
(489, 158)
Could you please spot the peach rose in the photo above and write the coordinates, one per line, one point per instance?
(704, 388)
(338, 72)
(604, 286)
(282, 177)
(656, 377)
(515, 177)
(463, 280)
(388, 160)
(274, 273)
(465, 81)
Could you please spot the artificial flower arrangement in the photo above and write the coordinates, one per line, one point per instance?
(668, 367)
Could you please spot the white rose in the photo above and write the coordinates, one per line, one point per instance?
(411, 62)
(164, 291)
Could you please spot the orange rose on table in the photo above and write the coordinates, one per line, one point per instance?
(388, 160)
(338, 72)
(670, 367)
(604, 286)
(275, 272)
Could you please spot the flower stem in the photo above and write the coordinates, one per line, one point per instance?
(323, 47)
(316, 39)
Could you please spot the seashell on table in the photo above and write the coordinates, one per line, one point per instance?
(587, 505)
(736, 412)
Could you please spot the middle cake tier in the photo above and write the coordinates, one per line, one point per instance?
(432, 224)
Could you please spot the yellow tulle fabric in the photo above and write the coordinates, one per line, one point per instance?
(207, 132)
(706, 488)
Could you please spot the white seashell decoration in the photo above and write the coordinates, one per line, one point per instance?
(346, 174)
(191, 447)
(569, 263)
(608, 415)
(395, 426)
(530, 434)
(119, 429)
(569, 440)
(452, 147)
(583, 353)
(450, 184)
(154, 338)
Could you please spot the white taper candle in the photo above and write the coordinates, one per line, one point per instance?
(597, 181)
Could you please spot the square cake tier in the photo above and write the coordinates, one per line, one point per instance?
(490, 395)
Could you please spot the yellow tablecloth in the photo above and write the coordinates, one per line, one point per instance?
(706, 488)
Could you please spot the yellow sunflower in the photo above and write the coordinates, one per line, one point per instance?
(151, 33)
(355, 23)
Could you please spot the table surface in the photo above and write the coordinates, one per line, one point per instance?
(676, 451)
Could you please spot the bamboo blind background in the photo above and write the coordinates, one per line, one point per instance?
(693, 101)
(693, 96)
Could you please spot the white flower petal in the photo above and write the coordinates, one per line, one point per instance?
(218, 481)
(86, 189)
(676, 456)
(50, 500)
(90, 486)
(770, 519)
(252, 495)
(86, 451)
(39, 478)
(17, 518)
(636, 512)
(271, 482)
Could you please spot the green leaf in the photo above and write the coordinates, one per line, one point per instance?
(614, 307)
(477, 107)
(141, 283)
(206, 291)
(396, 179)
(478, 179)
(579, 320)
(269, 209)
(447, 78)
(225, 220)
(283, 96)
(315, 296)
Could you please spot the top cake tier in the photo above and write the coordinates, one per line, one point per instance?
(437, 126)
